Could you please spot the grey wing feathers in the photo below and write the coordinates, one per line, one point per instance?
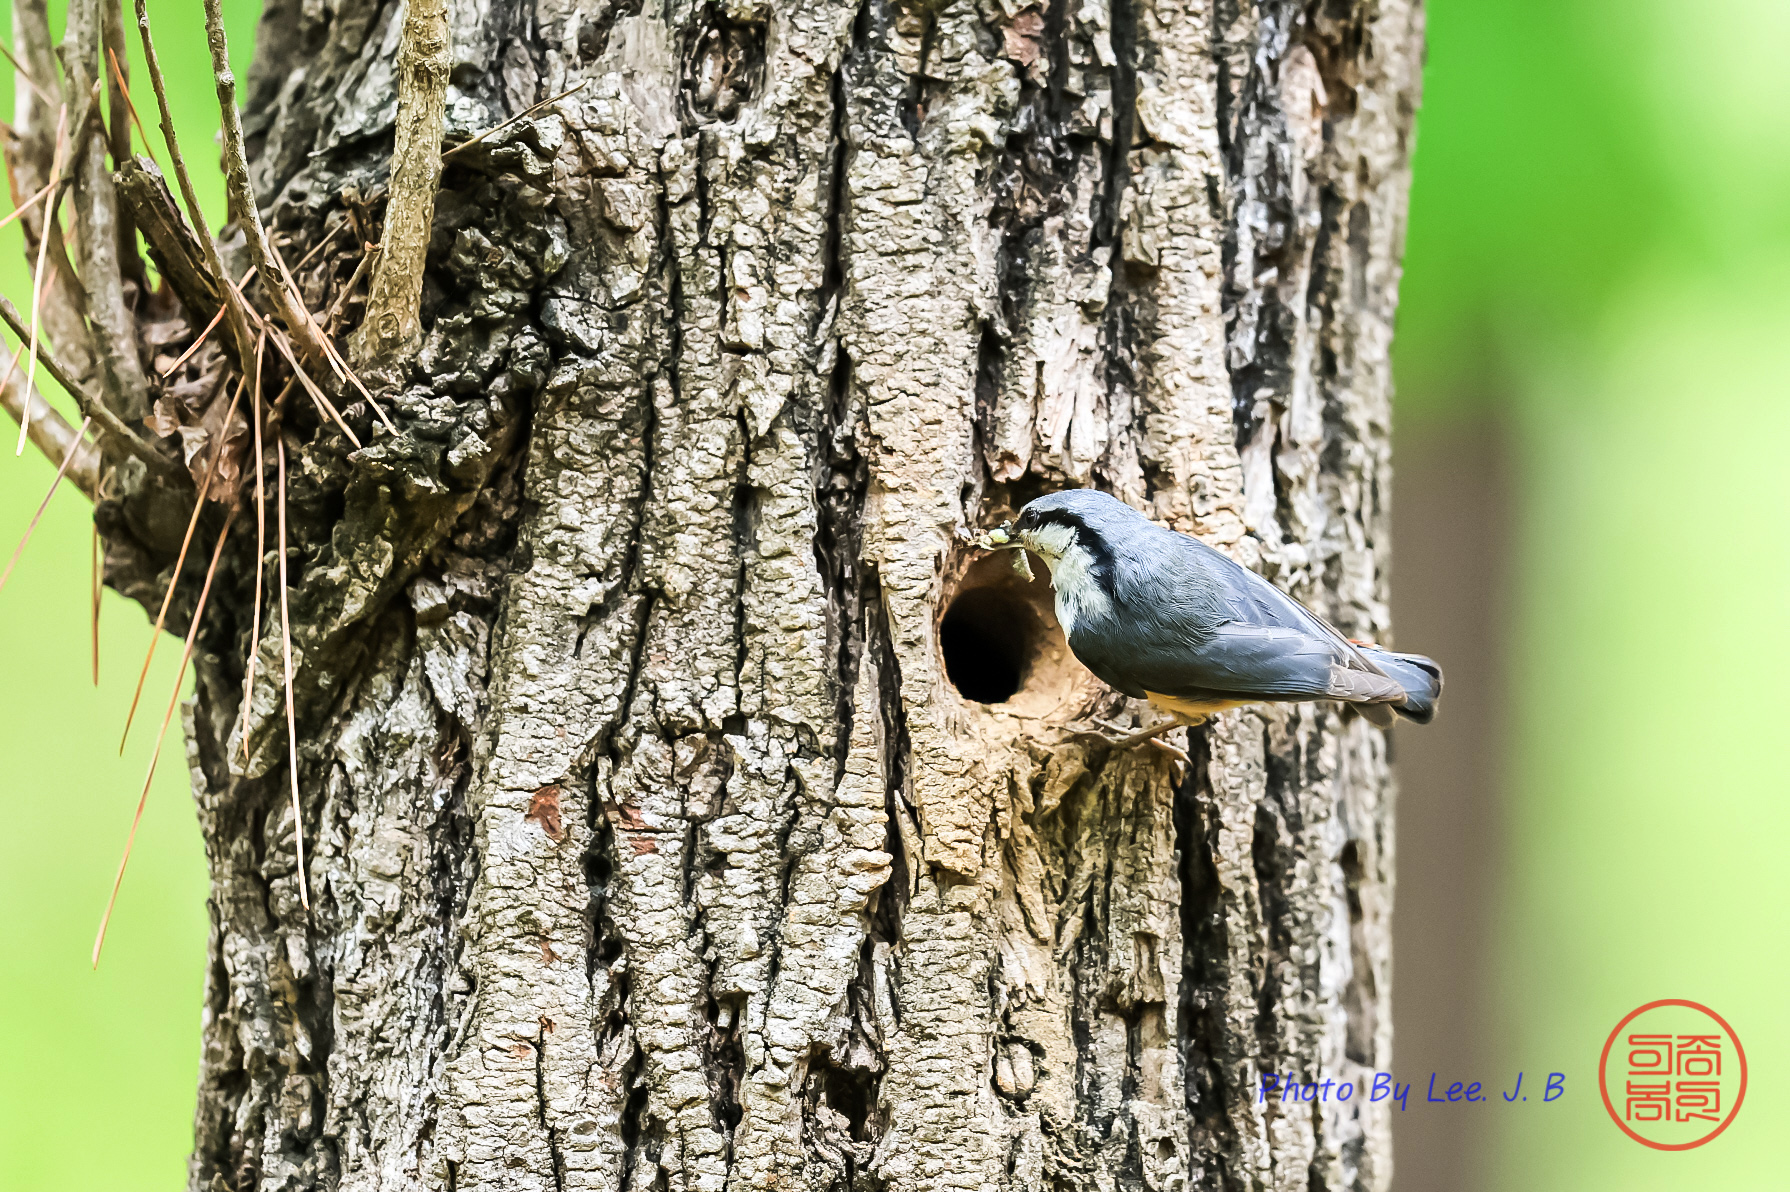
(1228, 631)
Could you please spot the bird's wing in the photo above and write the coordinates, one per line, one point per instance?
(1239, 636)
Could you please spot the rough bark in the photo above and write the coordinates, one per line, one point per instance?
(650, 842)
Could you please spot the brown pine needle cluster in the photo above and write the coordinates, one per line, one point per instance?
(212, 339)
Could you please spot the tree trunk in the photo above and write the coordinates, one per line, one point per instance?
(686, 804)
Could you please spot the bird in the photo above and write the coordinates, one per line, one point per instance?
(1163, 617)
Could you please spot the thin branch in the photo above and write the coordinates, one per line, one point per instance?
(392, 325)
(320, 246)
(518, 118)
(107, 421)
(186, 657)
(360, 271)
(52, 434)
(242, 196)
(95, 199)
(239, 324)
(298, 823)
(161, 617)
(45, 504)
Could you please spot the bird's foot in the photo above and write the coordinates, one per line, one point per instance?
(1118, 738)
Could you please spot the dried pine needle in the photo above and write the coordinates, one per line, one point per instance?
(68, 457)
(186, 657)
(248, 679)
(43, 245)
(161, 617)
(298, 823)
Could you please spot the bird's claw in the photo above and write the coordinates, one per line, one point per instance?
(1119, 738)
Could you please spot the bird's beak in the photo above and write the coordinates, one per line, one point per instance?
(1001, 538)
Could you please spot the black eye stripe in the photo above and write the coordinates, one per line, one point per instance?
(1101, 555)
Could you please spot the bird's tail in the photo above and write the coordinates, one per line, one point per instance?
(1419, 676)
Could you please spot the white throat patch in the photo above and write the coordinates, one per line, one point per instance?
(1078, 593)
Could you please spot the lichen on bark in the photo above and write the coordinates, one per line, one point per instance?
(651, 844)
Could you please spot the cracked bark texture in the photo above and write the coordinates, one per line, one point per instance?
(650, 844)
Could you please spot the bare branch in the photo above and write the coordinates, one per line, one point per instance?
(128, 439)
(96, 216)
(391, 326)
(238, 320)
(277, 285)
(52, 435)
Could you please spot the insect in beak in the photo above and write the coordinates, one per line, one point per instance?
(1001, 538)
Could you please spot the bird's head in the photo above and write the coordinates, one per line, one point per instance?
(1073, 531)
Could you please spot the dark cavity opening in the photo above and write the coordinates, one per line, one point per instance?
(988, 636)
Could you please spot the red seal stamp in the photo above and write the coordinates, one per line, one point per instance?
(1672, 1074)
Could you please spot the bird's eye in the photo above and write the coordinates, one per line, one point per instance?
(1028, 519)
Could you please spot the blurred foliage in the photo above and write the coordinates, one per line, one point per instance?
(1598, 245)
(97, 1070)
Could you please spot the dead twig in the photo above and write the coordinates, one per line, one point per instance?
(391, 326)
(322, 244)
(89, 406)
(239, 324)
(354, 280)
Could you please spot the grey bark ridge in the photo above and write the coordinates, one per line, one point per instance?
(650, 845)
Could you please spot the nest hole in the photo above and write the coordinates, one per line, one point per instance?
(988, 638)
(999, 637)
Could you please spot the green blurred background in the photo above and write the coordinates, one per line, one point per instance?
(1594, 421)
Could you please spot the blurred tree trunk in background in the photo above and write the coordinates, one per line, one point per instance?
(651, 843)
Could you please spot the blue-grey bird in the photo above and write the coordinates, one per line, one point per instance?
(1162, 616)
